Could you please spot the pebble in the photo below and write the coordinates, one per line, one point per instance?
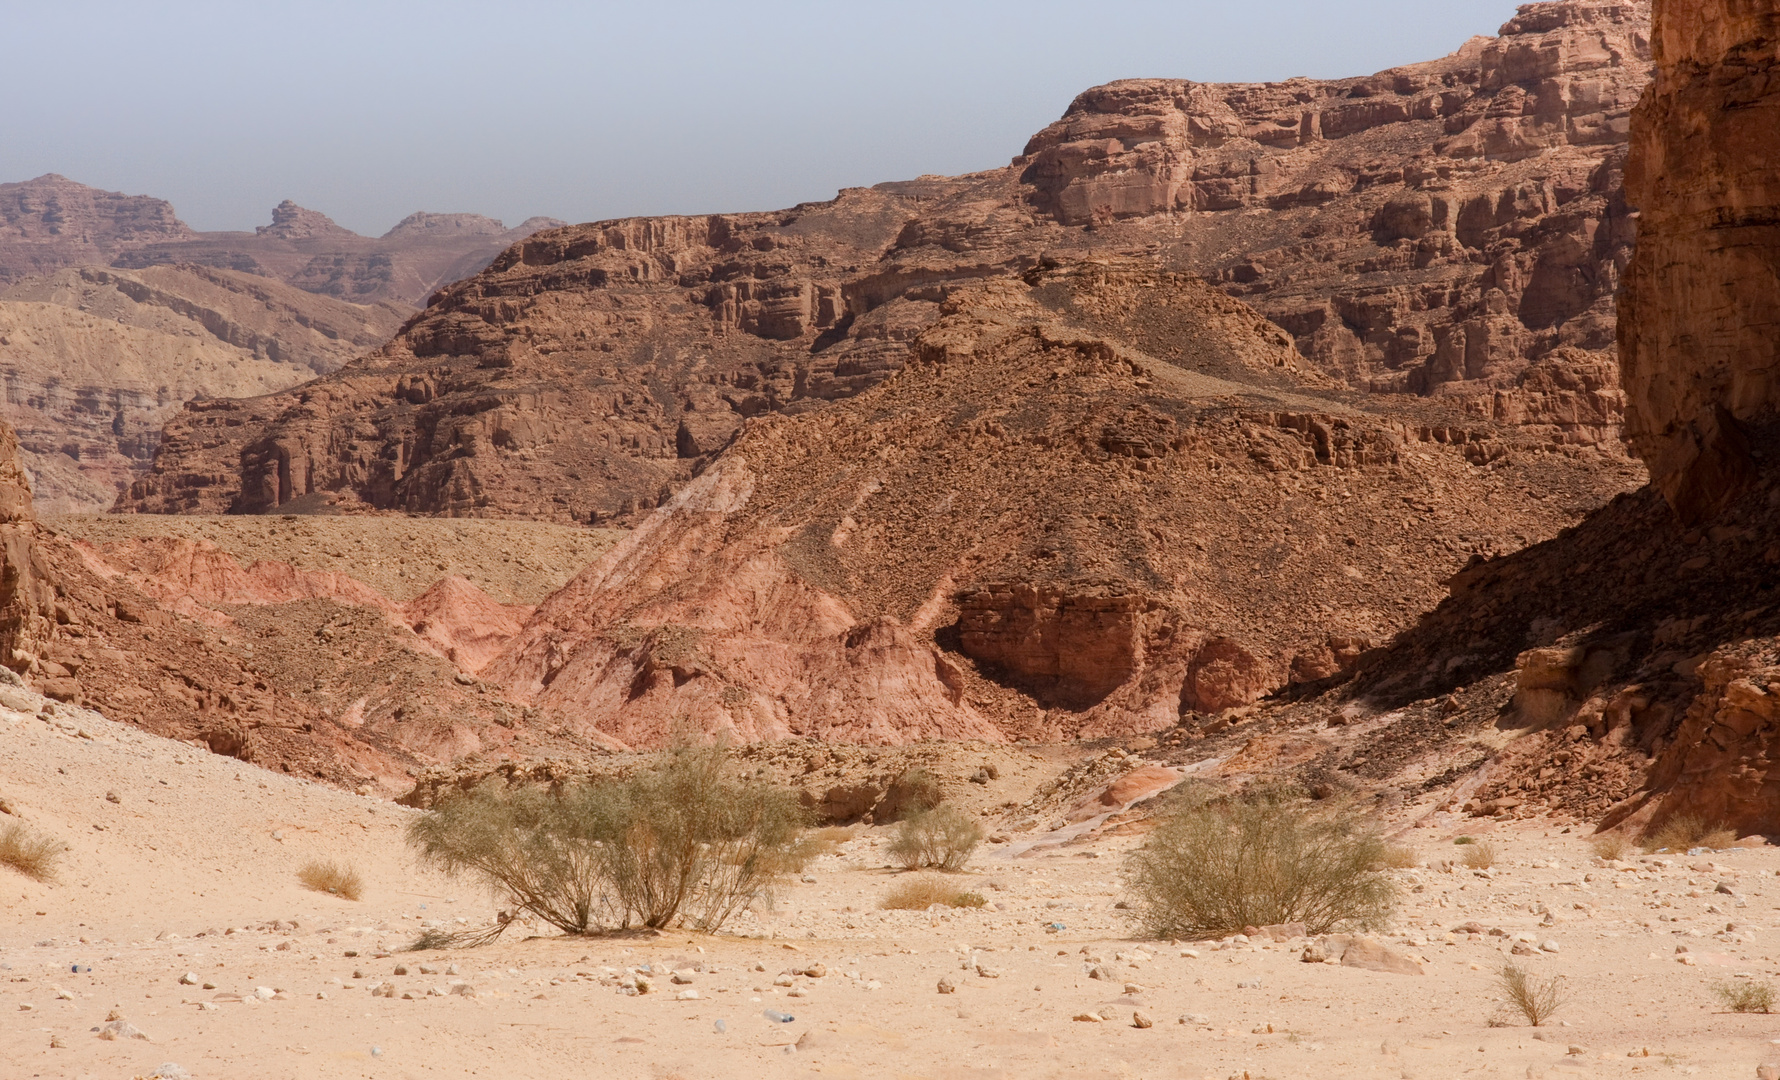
(1548, 945)
(946, 987)
(1141, 1020)
(121, 1029)
(686, 995)
(1090, 1018)
(188, 979)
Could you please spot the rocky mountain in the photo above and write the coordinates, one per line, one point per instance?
(95, 360)
(52, 222)
(1452, 229)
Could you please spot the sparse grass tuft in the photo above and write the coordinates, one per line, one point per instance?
(338, 879)
(1212, 869)
(1464, 839)
(27, 852)
(942, 838)
(922, 892)
(812, 844)
(1397, 857)
(1746, 997)
(1683, 832)
(1610, 846)
(1479, 856)
(1536, 999)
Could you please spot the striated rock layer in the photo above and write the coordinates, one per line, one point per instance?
(1703, 296)
(1035, 530)
(1455, 228)
(95, 361)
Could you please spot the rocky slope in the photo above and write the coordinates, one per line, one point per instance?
(1034, 530)
(1455, 228)
(95, 361)
(52, 222)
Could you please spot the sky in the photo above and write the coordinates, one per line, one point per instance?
(370, 110)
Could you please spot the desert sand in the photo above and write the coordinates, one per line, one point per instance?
(181, 862)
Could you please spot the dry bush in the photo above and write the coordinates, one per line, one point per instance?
(1479, 855)
(1683, 832)
(812, 845)
(922, 892)
(1397, 857)
(1746, 997)
(942, 838)
(916, 791)
(1536, 999)
(338, 879)
(1214, 868)
(678, 842)
(27, 852)
(1610, 846)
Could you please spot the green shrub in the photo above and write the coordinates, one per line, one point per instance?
(1213, 869)
(1746, 997)
(678, 842)
(942, 838)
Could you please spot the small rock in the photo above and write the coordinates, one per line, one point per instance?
(1089, 1018)
(946, 987)
(121, 1029)
(1248, 984)
(815, 971)
(112, 797)
(266, 993)
(1195, 1018)
(1133, 988)
(681, 978)
(466, 990)
(686, 995)
(1101, 972)
(1548, 945)
(1369, 955)
(383, 989)
(1141, 1020)
(188, 979)
(1314, 954)
(1726, 888)
(1767, 1072)
(986, 972)
(1521, 948)
(211, 1006)
(401, 969)
(169, 1070)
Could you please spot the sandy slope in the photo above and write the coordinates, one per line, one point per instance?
(189, 850)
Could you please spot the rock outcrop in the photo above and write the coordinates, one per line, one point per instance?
(1703, 296)
(52, 222)
(1455, 228)
(96, 360)
(1034, 530)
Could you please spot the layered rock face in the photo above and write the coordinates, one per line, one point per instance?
(1452, 228)
(1703, 296)
(1433, 228)
(95, 361)
(1036, 530)
(53, 222)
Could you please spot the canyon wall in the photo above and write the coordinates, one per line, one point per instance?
(1701, 355)
(1454, 229)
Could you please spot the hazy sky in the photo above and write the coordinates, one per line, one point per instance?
(370, 110)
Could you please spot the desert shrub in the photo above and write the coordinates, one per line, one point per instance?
(812, 845)
(337, 879)
(914, 792)
(31, 854)
(1479, 855)
(1464, 839)
(1610, 845)
(678, 842)
(1746, 997)
(1534, 998)
(1397, 857)
(942, 838)
(923, 891)
(1683, 832)
(1214, 868)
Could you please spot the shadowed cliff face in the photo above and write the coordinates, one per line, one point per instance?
(1703, 298)
(1451, 229)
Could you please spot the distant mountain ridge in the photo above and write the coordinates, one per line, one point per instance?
(51, 222)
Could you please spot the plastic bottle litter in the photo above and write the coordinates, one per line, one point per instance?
(778, 1017)
(720, 1026)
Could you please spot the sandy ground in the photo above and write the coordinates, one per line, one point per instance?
(516, 562)
(192, 871)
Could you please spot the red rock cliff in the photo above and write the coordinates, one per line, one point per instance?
(1697, 337)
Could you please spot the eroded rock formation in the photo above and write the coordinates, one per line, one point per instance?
(95, 360)
(1119, 545)
(1701, 359)
(1455, 228)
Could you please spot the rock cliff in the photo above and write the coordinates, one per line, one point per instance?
(1701, 360)
(1455, 228)
(95, 360)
